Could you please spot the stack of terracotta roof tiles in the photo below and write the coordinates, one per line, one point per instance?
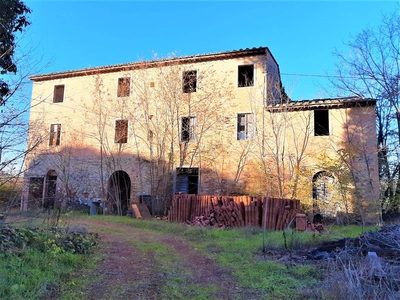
(233, 211)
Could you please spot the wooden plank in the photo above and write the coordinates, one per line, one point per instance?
(274, 213)
(270, 213)
(286, 214)
(239, 214)
(242, 211)
(141, 211)
(237, 211)
(279, 213)
(251, 212)
(258, 212)
(180, 207)
(188, 205)
(264, 213)
(187, 211)
(193, 207)
(247, 214)
(279, 216)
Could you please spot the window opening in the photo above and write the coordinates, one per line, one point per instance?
(188, 129)
(121, 131)
(124, 87)
(58, 95)
(245, 75)
(245, 126)
(321, 122)
(55, 135)
(189, 81)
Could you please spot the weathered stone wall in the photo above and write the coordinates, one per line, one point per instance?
(154, 110)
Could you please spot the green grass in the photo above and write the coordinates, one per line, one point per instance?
(39, 263)
(240, 250)
(177, 282)
(32, 274)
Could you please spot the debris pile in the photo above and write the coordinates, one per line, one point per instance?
(385, 243)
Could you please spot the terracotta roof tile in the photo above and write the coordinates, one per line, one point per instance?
(152, 63)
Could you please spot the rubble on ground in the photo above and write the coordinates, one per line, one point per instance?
(385, 243)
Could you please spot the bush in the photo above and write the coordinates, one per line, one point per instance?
(15, 239)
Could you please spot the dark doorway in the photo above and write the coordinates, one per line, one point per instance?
(51, 187)
(119, 192)
(35, 192)
(187, 180)
(322, 191)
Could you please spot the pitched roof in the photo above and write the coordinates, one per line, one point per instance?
(155, 63)
(326, 103)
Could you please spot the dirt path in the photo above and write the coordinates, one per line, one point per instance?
(139, 264)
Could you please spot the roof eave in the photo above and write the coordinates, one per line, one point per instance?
(321, 104)
(152, 64)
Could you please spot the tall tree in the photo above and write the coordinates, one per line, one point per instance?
(13, 19)
(371, 69)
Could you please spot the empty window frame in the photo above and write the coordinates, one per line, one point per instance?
(245, 126)
(58, 95)
(55, 135)
(121, 131)
(189, 81)
(321, 122)
(188, 126)
(245, 75)
(124, 87)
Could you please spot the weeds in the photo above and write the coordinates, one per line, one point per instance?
(34, 262)
(236, 250)
(351, 278)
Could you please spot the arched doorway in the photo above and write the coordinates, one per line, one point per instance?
(119, 192)
(323, 184)
(51, 187)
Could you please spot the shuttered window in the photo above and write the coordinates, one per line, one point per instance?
(121, 131)
(124, 87)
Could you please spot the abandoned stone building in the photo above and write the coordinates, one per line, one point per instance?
(217, 124)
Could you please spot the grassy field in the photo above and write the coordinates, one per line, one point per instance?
(43, 268)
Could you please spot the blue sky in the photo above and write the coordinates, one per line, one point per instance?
(301, 34)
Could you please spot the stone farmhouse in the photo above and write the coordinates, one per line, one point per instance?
(218, 124)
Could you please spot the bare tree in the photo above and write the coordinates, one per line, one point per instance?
(372, 70)
(176, 109)
(17, 63)
(280, 143)
(109, 133)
